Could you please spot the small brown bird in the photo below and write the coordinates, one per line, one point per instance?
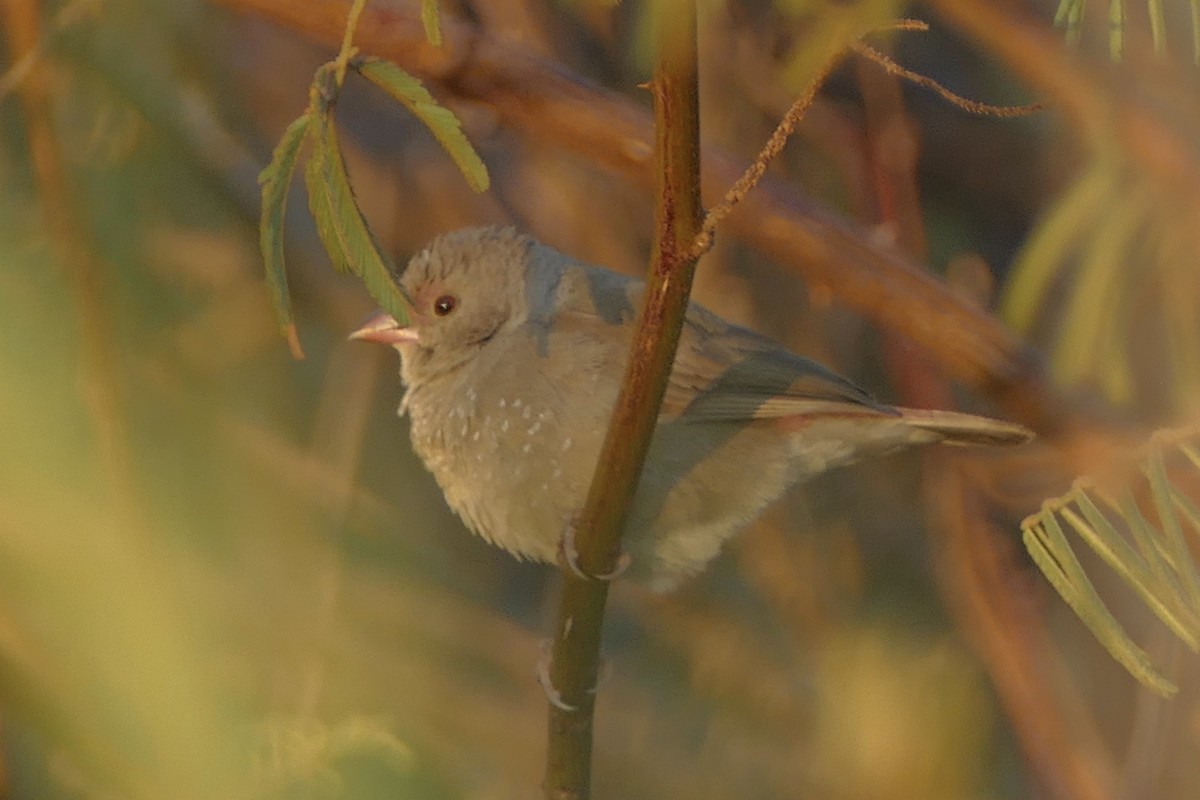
(512, 364)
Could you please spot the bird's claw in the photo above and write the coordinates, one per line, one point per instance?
(542, 672)
(543, 677)
(569, 555)
(623, 562)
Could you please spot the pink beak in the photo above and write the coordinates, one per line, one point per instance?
(384, 329)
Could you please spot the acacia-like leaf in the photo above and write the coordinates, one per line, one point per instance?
(1181, 559)
(1048, 546)
(440, 120)
(275, 180)
(1099, 533)
(1150, 552)
(340, 223)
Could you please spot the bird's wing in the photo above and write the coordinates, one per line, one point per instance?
(722, 372)
(726, 373)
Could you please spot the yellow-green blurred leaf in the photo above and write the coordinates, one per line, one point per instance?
(432, 22)
(831, 28)
(1046, 252)
(1095, 304)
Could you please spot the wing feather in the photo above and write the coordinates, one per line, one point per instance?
(722, 373)
(726, 373)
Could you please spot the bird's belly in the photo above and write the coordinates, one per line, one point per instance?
(507, 475)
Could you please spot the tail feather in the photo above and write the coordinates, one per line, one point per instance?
(956, 428)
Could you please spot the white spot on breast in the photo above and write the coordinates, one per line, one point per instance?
(557, 473)
(503, 425)
(503, 402)
(534, 428)
(475, 436)
(566, 444)
(526, 448)
(517, 403)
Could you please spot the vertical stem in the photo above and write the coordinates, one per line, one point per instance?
(581, 613)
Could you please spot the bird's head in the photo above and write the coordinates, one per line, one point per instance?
(464, 290)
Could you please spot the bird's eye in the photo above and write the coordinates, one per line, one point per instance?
(445, 304)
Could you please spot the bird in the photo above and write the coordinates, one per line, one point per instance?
(512, 359)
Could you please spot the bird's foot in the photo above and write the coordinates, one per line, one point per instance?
(568, 555)
(542, 672)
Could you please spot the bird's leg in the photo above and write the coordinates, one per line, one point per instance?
(568, 554)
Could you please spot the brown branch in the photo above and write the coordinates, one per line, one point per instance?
(677, 220)
(545, 102)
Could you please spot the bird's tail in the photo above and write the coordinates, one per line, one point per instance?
(955, 428)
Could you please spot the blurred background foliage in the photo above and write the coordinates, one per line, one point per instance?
(223, 573)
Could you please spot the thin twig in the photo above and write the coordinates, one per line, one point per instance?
(966, 104)
(792, 118)
(776, 143)
(751, 177)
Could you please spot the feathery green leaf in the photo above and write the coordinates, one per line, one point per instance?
(440, 120)
(275, 180)
(340, 223)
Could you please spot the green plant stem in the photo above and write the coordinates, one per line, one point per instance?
(581, 614)
(347, 50)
